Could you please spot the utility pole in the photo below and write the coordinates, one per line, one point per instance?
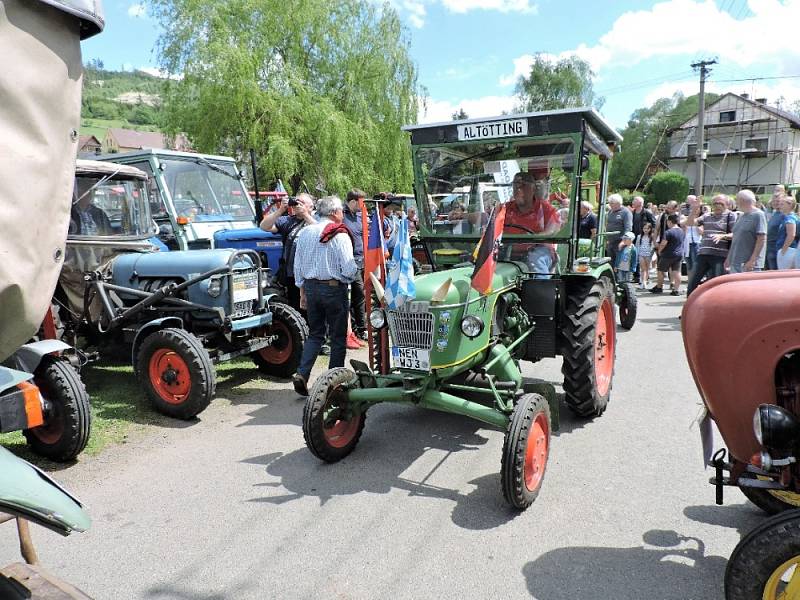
(701, 117)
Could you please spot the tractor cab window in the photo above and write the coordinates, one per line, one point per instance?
(465, 182)
(158, 210)
(105, 207)
(205, 190)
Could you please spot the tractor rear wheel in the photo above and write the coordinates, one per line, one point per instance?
(282, 357)
(176, 372)
(525, 451)
(627, 306)
(68, 422)
(330, 430)
(589, 347)
(766, 563)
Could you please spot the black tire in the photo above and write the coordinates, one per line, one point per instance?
(282, 358)
(176, 372)
(520, 479)
(587, 376)
(758, 559)
(329, 443)
(68, 423)
(771, 502)
(627, 306)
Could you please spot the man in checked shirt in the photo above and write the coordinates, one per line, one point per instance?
(324, 267)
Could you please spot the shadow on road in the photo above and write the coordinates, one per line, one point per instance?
(393, 440)
(668, 567)
(742, 517)
(664, 323)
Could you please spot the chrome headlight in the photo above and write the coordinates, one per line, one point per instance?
(377, 318)
(776, 427)
(471, 326)
(215, 287)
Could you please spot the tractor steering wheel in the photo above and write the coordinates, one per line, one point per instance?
(520, 227)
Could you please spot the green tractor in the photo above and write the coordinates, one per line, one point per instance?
(456, 349)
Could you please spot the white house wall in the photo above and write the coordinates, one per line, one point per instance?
(729, 166)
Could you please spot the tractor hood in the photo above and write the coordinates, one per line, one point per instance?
(27, 492)
(459, 289)
(172, 265)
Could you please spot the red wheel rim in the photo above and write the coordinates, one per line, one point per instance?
(169, 376)
(604, 347)
(536, 452)
(281, 350)
(339, 432)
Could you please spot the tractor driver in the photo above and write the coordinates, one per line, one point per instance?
(85, 217)
(530, 207)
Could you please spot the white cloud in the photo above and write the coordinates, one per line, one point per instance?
(504, 6)
(488, 106)
(786, 90)
(695, 27)
(416, 10)
(137, 10)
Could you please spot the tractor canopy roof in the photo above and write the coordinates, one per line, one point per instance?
(85, 168)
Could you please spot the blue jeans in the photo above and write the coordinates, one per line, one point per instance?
(540, 261)
(691, 258)
(328, 308)
(705, 265)
(772, 258)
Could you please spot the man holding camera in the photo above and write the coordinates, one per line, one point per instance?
(290, 218)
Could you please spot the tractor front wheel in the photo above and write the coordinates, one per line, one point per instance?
(627, 306)
(282, 357)
(330, 428)
(771, 502)
(589, 348)
(68, 421)
(176, 372)
(766, 563)
(526, 450)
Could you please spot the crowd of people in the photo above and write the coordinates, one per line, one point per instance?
(731, 234)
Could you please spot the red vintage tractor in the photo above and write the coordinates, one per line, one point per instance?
(742, 338)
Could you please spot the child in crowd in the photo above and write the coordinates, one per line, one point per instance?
(627, 261)
(644, 248)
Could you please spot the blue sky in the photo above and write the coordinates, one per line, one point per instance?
(470, 52)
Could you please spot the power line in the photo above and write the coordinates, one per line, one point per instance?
(758, 78)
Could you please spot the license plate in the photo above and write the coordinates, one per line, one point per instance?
(411, 358)
(245, 287)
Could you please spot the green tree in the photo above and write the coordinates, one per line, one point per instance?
(319, 89)
(460, 115)
(553, 84)
(666, 186)
(646, 139)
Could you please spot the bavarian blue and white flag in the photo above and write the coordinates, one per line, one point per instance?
(400, 286)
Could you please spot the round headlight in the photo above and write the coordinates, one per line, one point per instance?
(471, 326)
(215, 287)
(776, 428)
(377, 318)
(757, 426)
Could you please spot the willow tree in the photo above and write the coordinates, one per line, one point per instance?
(557, 83)
(320, 89)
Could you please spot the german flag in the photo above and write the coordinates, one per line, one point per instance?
(486, 258)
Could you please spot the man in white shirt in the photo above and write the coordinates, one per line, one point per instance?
(324, 267)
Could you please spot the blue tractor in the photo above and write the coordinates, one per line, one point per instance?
(175, 313)
(199, 201)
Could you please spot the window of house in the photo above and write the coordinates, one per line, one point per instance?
(691, 149)
(727, 116)
(758, 144)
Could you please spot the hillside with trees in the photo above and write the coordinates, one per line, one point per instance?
(129, 99)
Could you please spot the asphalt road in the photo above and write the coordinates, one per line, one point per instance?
(234, 506)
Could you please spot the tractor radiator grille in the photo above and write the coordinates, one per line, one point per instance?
(242, 309)
(411, 329)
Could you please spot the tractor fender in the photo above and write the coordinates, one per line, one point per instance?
(30, 355)
(149, 328)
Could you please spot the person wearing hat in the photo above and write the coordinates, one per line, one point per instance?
(627, 260)
(530, 207)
